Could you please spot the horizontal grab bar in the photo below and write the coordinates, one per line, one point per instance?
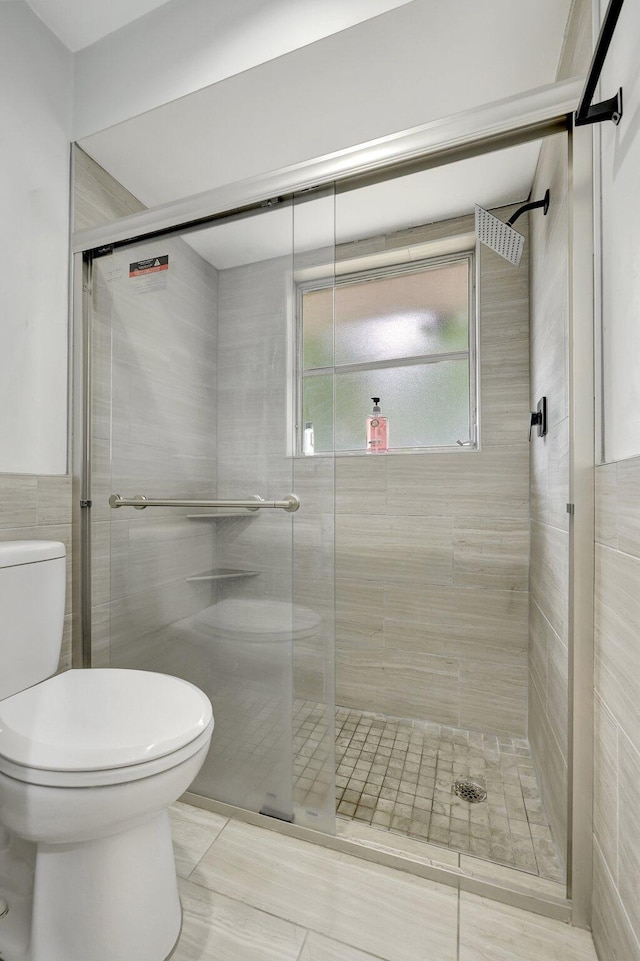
(290, 503)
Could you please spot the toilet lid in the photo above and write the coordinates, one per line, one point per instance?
(91, 720)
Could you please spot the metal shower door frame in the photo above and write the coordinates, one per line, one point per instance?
(508, 122)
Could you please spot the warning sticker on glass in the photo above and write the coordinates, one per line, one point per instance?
(149, 274)
(151, 266)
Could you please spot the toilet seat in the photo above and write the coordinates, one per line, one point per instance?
(103, 726)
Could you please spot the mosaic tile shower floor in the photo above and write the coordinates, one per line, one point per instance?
(397, 775)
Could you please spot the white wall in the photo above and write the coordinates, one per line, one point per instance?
(186, 45)
(421, 61)
(621, 244)
(35, 120)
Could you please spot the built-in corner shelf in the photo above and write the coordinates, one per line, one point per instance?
(222, 574)
(229, 512)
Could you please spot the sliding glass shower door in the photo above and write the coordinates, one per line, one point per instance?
(216, 574)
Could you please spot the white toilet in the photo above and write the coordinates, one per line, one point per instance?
(89, 762)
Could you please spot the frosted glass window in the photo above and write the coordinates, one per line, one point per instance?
(404, 335)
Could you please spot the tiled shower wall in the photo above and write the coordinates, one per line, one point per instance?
(549, 578)
(158, 438)
(292, 554)
(432, 548)
(549, 584)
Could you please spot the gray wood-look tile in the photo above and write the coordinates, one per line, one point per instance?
(494, 483)
(539, 629)
(98, 198)
(359, 614)
(366, 906)
(617, 614)
(260, 543)
(54, 500)
(361, 485)
(539, 482)
(606, 502)
(138, 617)
(628, 880)
(498, 932)
(149, 567)
(319, 948)
(101, 561)
(549, 284)
(193, 831)
(101, 636)
(457, 621)
(549, 573)
(605, 785)
(405, 549)
(558, 444)
(314, 483)
(490, 553)
(18, 500)
(628, 506)
(405, 684)
(219, 928)
(551, 768)
(612, 932)
(101, 486)
(493, 696)
(557, 693)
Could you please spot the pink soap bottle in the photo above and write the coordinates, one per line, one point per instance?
(377, 429)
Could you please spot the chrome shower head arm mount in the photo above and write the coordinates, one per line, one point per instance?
(544, 203)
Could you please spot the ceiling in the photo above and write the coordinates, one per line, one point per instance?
(244, 126)
(79, 23)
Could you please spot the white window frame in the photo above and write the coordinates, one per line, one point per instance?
(472, 442)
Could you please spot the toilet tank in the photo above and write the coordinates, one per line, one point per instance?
(32, 597)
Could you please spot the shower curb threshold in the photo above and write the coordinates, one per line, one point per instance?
(464, 877)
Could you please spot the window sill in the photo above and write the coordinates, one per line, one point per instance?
(389, 453)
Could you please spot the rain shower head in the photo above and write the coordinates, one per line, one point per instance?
(502, 237)
(499, 236)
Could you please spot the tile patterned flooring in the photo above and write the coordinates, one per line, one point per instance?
(250, 894)
(397, 775)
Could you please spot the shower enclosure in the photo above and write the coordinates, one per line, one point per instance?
(384, 637)
(194, 417)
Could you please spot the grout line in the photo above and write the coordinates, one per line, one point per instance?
(302, 946)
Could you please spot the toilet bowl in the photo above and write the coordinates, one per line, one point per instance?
(89, 762)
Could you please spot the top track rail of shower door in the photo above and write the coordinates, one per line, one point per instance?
(495, 126)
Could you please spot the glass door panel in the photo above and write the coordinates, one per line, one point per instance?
(313, 549)
(201, 363)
